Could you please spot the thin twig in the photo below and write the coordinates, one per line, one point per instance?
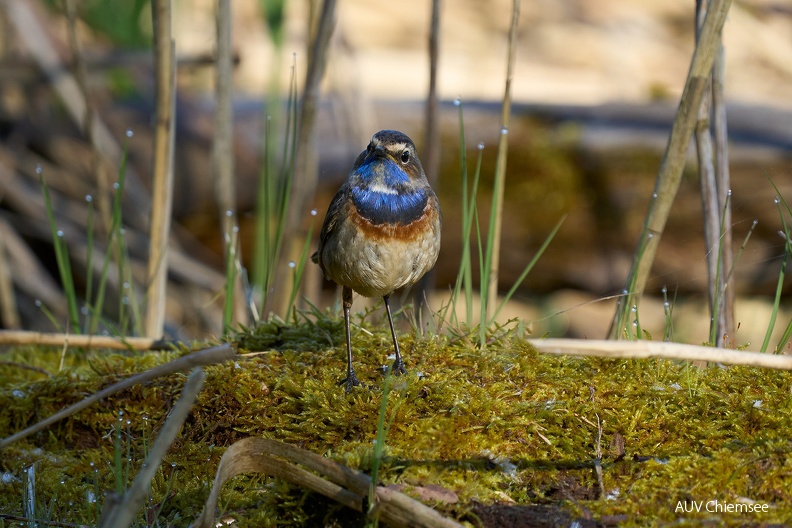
(120, 514)
(659, 350)
(208, 356)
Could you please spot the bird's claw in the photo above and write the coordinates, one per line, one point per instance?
(350, 381)
(398, 367)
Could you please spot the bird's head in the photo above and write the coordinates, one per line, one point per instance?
(387, 181)
(390, 163)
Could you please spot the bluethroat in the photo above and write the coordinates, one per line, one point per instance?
(382, 230)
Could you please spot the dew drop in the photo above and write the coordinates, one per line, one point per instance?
(125, 300)
(39, 170)
(84, 310)
(654, 196)
(635, 324)
(775, 200)
(667, 304)
(314, 212)
(457, 101)
(129, 133)
(38, 303)
(122, 231)
(755, 222)
(229, 213)
(650, 236)
(728, 193)
(235, 229)
(292, 264)
(504, 131)
(126, 285)
(664, 289)
(481, 146)
(88, 198)
(116, 186)
(60, 233)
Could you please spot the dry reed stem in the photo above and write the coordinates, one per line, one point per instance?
(162, 170)
(659, 350)
(670, 173)
(709, 188)
(26, 338)
(119, 514)
(209, 356)
(496, 216)
(722, 179)
(345, 485)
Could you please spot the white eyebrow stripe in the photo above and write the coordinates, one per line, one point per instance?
(382, 189)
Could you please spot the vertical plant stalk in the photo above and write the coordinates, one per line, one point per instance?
(673, 163)
(305, 175)
(723, 181)
(431, 154)
(162, 189)
(709, 193)
(223, 159)
(492, 260)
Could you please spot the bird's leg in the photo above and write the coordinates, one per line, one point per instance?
(398, 364)
(351, 380)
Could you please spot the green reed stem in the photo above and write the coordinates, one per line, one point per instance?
(61, 256)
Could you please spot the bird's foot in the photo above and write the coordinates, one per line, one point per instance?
(350, 381)
(398, 367)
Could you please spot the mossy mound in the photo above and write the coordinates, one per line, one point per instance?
(495, 434)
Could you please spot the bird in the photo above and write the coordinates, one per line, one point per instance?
(381, 232)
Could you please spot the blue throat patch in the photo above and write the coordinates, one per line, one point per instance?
(384, 208)
(402, 205)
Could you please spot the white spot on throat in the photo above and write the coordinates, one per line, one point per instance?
(382, 189)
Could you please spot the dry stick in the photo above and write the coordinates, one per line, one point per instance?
(709, 192)
(673, 163)
(496, 215)
(209, 356)
(22, 337)
(348, 486)
(120, 514)
(162, 190)
(726, 309)
(659, 350)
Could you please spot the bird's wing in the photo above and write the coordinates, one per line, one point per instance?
(331, 220)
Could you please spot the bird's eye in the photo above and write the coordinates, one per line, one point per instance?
(405, 157)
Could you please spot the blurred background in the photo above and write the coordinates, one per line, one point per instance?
(595, 89)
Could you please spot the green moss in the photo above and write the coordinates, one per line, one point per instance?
(503, 424)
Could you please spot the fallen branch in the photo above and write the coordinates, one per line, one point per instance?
(21, 337)
(345, 485)
(207, 356)
(661, 350)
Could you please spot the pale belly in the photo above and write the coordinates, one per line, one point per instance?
(378, 268)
